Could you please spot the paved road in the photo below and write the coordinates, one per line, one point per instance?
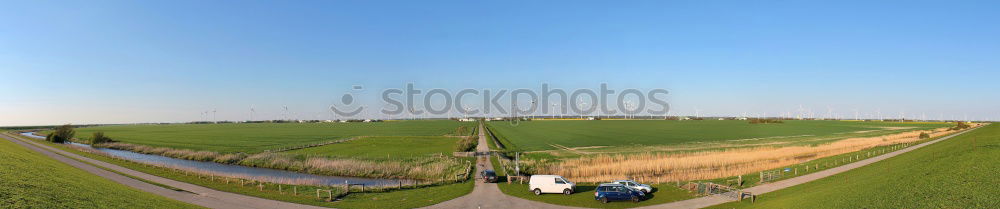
(195, 194)
(770, 187)
(488, 195)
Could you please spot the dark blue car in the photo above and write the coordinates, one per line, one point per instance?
(617, 192)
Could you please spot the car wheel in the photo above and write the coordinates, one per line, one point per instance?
(635, 199)
(538, 192)
(644, 191)
(567, 192)
(604, 200)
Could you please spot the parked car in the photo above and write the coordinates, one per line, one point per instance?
(617, 192)
(644, 188)
(550, 184)
(489, 176)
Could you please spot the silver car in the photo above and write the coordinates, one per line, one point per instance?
(635, 185)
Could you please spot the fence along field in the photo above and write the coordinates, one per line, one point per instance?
(549, 135)
(716, 164)
(960, 172)
(830, 139)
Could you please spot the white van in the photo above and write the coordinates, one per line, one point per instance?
(550, 184)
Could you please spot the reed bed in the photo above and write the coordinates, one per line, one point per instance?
(429, 168)
(254, 180)
(661, 167)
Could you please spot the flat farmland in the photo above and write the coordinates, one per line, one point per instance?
(385, 147)
(553, 135)
(257, 137)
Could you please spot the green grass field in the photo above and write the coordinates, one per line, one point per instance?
(32, 180)
(425, 196)
(385, 147)
(960, 172)
(257, 137)
(541, 135)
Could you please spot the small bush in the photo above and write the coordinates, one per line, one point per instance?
(62, 134)
(99, 138)
(466, 144)
(924, 135)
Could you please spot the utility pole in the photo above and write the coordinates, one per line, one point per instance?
(517, 163)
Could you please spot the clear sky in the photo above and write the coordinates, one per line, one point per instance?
(169, 61)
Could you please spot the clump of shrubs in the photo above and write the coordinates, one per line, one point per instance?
(462, 131)
(961, 125)
(99, 138)
(466, 144)
(924, 135)
(61, 135)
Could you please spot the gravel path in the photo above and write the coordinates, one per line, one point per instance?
(193, 194)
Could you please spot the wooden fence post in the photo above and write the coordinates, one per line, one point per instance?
(317, 194)
(295, 190)
(330, 192)
(279, 189)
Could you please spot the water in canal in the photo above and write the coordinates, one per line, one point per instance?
(235, 170)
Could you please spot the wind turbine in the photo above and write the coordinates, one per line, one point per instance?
(251, 112)
(580, 104)
(214, 120)
(284, 113)
(801, 112)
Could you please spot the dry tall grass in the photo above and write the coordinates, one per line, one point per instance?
(715, 164)
(430, 168)
(249, 178)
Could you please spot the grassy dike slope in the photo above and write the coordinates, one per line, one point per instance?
(31, 180)
(961, 172)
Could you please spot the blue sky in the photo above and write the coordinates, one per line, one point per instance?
(168, 61)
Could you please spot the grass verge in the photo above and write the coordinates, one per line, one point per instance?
(960, 172)
(32, 180)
